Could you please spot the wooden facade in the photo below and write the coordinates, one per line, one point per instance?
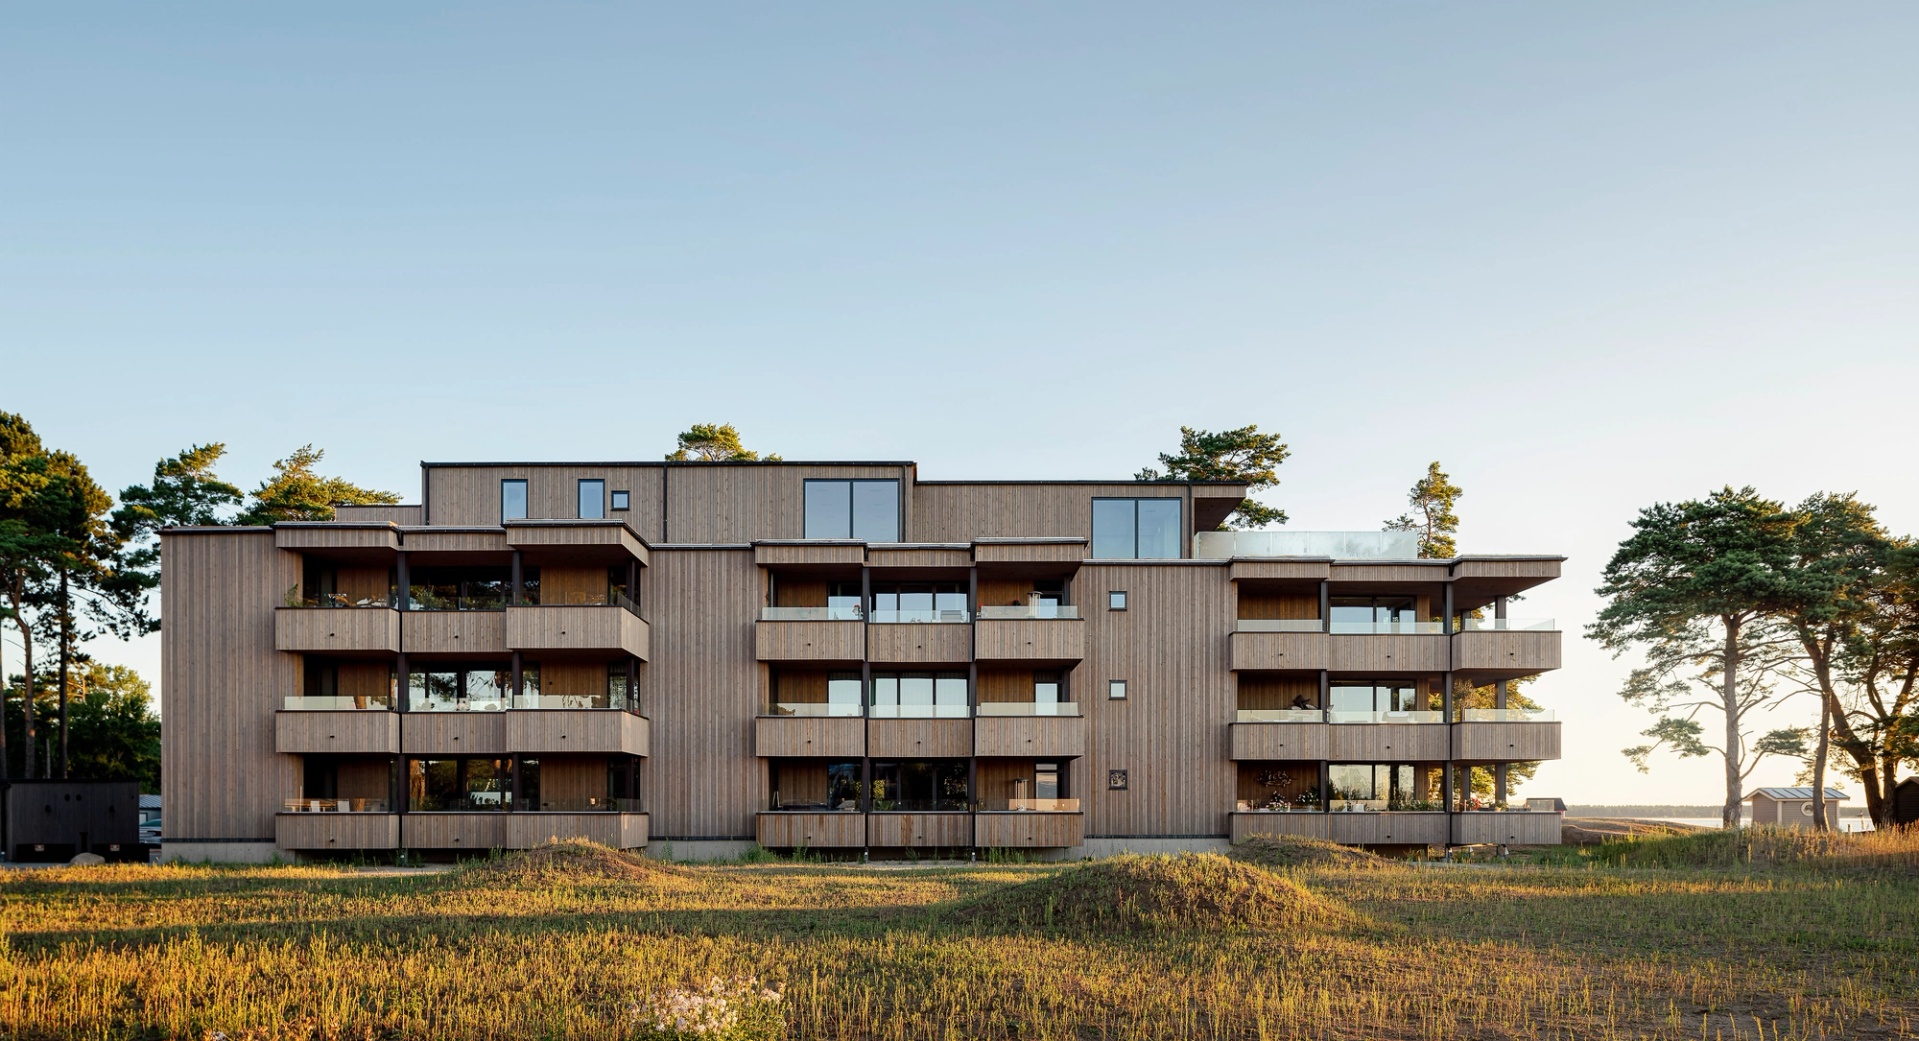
(1158, 681)
(1034, 640)
(586, 731)
(1028, 830)
(781, 737)
(602, 628)
(370, 732)
(1509, 828)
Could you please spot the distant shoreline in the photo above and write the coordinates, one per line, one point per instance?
(1657, 812)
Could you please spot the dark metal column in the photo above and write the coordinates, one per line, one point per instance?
(1325, 606)
(513, 595)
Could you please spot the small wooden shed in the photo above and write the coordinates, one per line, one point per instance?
(1905, 801)
(1792, 807)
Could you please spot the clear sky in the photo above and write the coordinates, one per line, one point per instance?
(1590, 257)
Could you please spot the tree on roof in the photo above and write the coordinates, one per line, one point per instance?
(714, 443)
(1432, 499)
(1243, 455)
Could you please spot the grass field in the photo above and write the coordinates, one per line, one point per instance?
(1700, 936)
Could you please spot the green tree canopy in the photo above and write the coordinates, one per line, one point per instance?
(1432, 499)
(185, 493)
(714, 443)
(1244, 455)
(1693, 587)
(298, 492)
(113, 733)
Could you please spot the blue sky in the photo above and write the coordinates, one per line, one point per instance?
(1588, 257)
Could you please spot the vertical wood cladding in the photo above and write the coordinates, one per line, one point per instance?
(963, 512)
(470, 495)
(1171, 733)
(221, 671)
(702, 692)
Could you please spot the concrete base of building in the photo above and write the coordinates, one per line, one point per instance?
(1109, 847)
(698, 849)
(222, 853)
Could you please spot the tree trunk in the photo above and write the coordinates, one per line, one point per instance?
(1819, 764)
(26, 646)
(66, 638)
(1735, 796)
(4, 771)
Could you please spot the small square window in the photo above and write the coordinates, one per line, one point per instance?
(621, 499)
(1116, 600)
(1116, 780)
(1116, 690)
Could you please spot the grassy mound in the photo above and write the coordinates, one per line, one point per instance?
(1135, 894)
(1280, 851)
(569, 859)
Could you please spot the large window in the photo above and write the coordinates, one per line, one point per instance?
(459, 589)
(1348, 696)
(921, 785)
(440, 687)
(1370, 614)
(865, 510)
(1377, 786)
(919, 602)
(459, 784)
(919, 695)
(1142, 529)
(811, 785)
(592, 500)
(512, 500)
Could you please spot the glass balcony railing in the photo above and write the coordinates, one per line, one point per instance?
(1506, 715)
(1281, 715)
(1026, 708)
(836, 613)
(418, 702)
(947, 805)
(377, 703)
(815, 709)
(919, 712)
(1280, 625)
(1337, 716)
(342, 600)
(921, 616)
(595, 701)
(1508, 625)
(779, 804)
(1042, 609)
(335, 806)
(586, 804)
(1378, 628)
(431, 598)
(1035, 805)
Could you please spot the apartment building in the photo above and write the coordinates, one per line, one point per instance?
(835, 656)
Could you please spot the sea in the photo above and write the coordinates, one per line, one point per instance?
(1845, 823)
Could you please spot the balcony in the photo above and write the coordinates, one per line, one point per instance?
(606, 731)
(373, 629)
(1026, 730)
(1287, 733)
(1509, 828)
(455, 732)
(813, 634)
(800, 730)
(620, 830)
(1381, 737)
(1030, 824)
(919, 738)
(820, 829)
(1388, 647)
(1278, 644)
(315, 829)
(604, 628)
(1506, 648)
(1302, 825)
(471, 830)
(1491, 735)
(920, 638)
(462, 631)
(1388, 828)
(920, 830)
(1043, 633)
(302, 730)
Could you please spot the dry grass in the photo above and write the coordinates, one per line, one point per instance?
(1134, 894)
(1276, 851)
(1805, 948)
